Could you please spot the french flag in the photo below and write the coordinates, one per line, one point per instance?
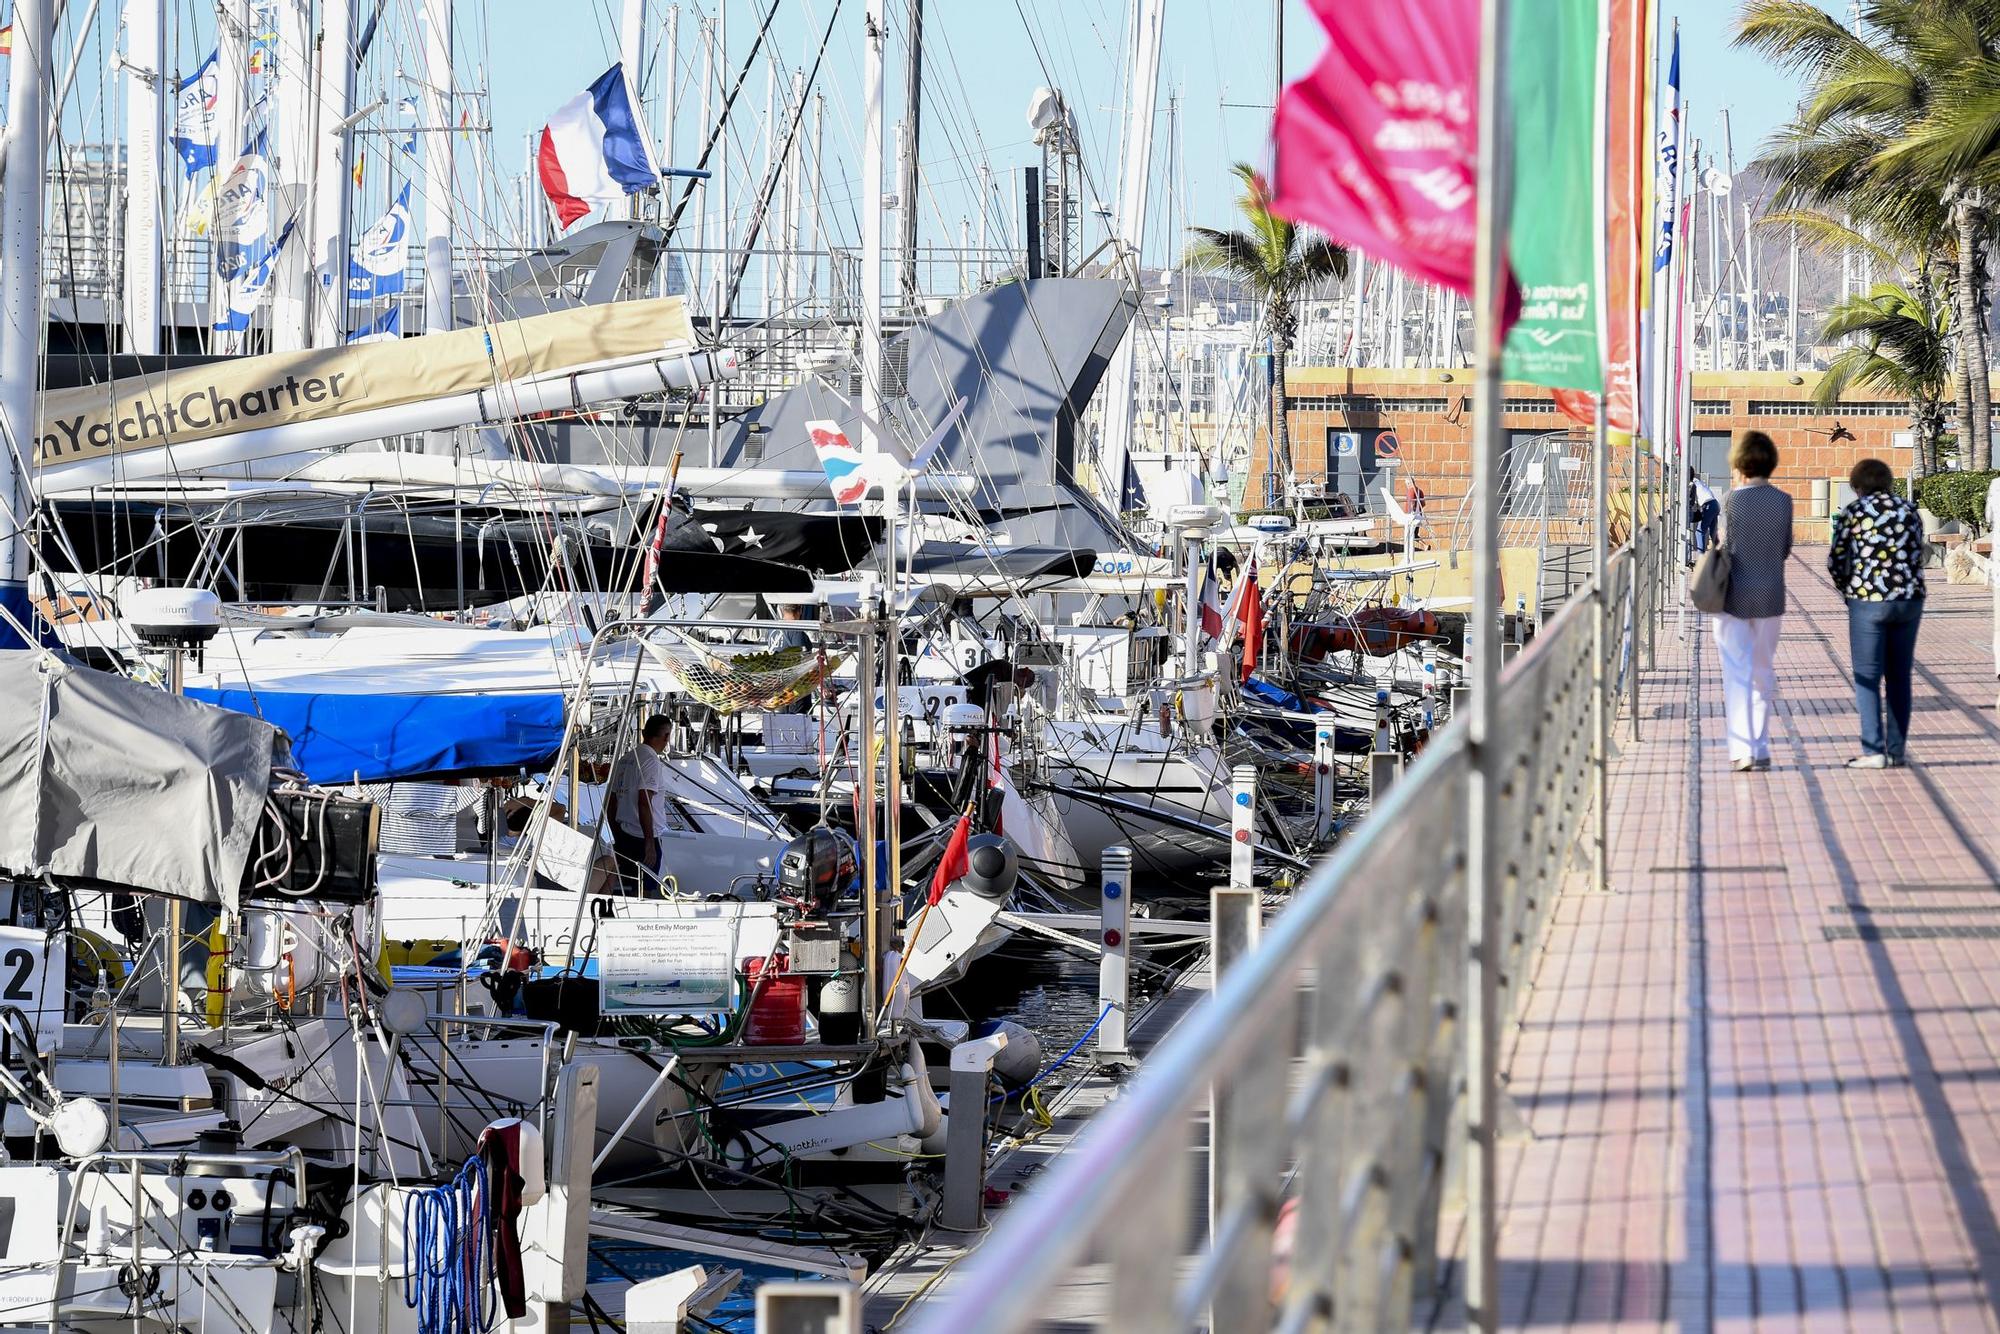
(592, 151)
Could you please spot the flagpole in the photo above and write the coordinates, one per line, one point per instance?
(1483, 938)
(1634, 492)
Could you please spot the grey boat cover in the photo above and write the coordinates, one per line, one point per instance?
(105, 779)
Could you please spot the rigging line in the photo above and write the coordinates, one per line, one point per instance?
(721, 121)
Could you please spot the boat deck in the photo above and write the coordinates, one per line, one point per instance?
(919, 1272)
(1758, 1082)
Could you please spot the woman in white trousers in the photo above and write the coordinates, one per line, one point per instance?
(1757, 534)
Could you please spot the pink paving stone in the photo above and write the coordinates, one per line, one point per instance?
(1843, 1169)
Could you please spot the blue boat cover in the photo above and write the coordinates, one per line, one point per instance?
(379, 737)
(1277, 695)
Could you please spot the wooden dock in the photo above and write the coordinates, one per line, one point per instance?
(922, 1270)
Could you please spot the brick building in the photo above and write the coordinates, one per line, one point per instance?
(1344, 421)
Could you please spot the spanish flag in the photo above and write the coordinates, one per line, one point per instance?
(7, 40)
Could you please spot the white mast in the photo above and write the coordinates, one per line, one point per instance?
(632, 52)
(21, 300)
(438, 114)
(145, 67)
(333, 186)
(1134, 174)
(672, 82)
(294, 146)
(871, 226)
(232, 76)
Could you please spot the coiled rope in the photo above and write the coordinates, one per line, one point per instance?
(448, 1259)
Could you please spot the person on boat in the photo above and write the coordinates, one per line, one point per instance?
(1877, 562)
(1757, 534)
(636, 805)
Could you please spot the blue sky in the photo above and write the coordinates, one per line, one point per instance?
(987, 59)
(1218, 58)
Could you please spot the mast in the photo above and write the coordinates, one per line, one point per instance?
(672, 90)
(333, 186)
(438, 183)
(906, 166)
(871, 225)
(291, 282)
(632, 52)
(21, 299)
(232, 73)
(1792, 304)
(1134, 174)
(145, 68)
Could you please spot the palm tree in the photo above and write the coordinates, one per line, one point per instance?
(1281, 264)
(1903, 347)
(1884, 147)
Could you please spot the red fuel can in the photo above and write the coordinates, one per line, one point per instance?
(777, 1008)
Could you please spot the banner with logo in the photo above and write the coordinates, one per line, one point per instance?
(182, 404)
(194, 117)
(381, 253)
(1377, 146)
(245, 250)
(1556, 220)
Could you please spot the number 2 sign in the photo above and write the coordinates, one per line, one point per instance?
(32, 974)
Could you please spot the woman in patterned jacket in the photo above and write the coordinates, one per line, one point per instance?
(1877, 563)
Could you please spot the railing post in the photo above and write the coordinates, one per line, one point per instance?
(1325, 757)
(1233, 921)
(1114, 964)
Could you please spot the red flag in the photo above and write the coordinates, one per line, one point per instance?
(954, 862)
(1627, 162)
(1252, 612)
(1377, 146)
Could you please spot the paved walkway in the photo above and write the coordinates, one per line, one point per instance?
(1761, 1078)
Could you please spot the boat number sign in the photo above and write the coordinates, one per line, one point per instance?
(28, 959)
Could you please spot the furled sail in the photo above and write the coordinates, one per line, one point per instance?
(290, 401)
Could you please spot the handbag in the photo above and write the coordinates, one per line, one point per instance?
(1708, 582)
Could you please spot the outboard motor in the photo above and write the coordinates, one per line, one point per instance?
(817, 868)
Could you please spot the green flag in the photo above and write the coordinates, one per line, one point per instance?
(1555, 227)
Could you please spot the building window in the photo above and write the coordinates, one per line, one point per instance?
(1365, 404)
(1711, 407)
(1547, 405)
(1789, 408)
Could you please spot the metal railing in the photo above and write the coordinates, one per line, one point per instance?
(1330, 1053)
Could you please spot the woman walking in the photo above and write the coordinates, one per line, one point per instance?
(1757, 534)
(1877, 563)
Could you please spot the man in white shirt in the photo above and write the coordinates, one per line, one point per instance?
(635, 801)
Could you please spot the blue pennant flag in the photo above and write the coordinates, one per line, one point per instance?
(382, 253)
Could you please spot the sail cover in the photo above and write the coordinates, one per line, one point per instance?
(189, 403)
(373, 737)
(103, 779)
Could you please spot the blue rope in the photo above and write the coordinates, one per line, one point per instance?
(447, 1259)
(1057, 1064)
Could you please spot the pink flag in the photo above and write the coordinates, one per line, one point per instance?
(1377, 146)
